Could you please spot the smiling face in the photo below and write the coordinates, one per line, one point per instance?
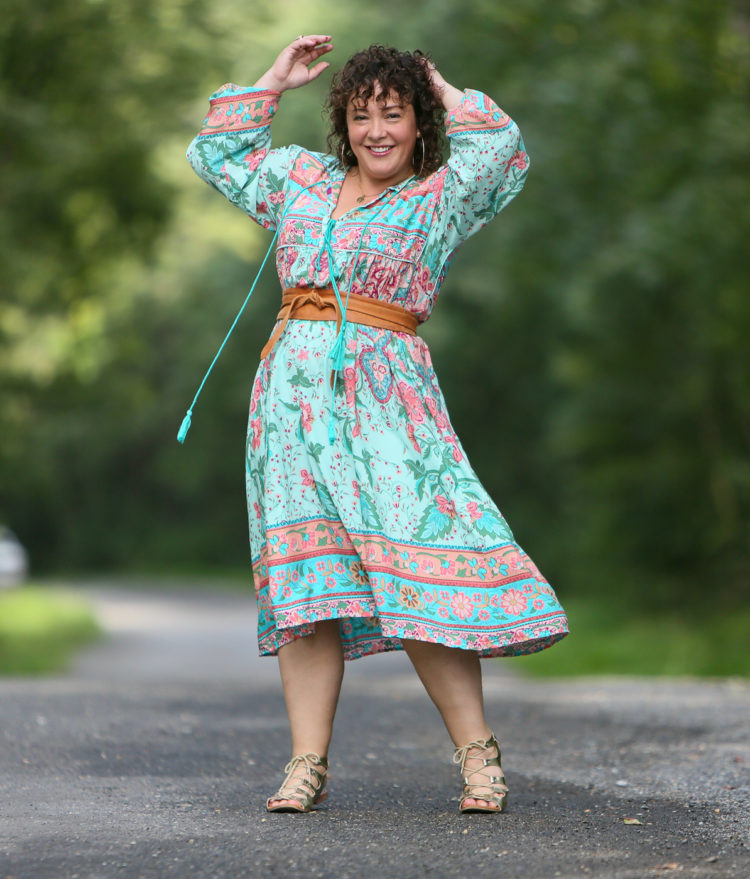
(382, 134)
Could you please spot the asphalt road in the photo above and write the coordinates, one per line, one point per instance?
(154, 755)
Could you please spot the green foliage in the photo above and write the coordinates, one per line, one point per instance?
(609, 641)
(40, 629)
(590, 342)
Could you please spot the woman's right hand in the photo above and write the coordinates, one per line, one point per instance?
(291, 69)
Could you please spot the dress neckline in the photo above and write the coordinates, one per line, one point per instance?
(338, 185)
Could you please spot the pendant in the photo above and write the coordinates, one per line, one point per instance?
(360, 199)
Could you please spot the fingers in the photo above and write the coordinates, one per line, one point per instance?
(313, 54)
(313, 39)
(313, 43)
(318, 69)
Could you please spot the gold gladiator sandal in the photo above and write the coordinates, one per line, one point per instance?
(305, 790)
(477, 784)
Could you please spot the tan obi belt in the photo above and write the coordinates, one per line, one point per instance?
(320, 303)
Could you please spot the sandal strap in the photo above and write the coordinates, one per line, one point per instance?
(476, 781)
(309, 785)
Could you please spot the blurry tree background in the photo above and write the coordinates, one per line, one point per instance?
(591, 342)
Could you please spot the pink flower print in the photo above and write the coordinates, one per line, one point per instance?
(445, 506)
(457, 455)
(257, 388)
(354, 609)
(311, 578)
(355, 486)
(473, 510)
(307, 418)
(462, 606)
(514, 602)
(256, 432)
(303, 354)
(412, 403)
(330, 582)
(538, 604)
(350, 385)
(412, 437)
(484, 614)
(307, 478)
(276, 197)
(252, 160)
(441, 422)
(520, 160)
(256, 507)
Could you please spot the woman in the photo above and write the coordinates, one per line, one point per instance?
(369, 530)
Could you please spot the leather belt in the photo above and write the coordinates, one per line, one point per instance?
(320, 303)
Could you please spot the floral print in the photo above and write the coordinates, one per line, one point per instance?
(387, 528)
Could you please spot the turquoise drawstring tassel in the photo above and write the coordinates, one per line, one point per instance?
(184, 427)
(338, 350)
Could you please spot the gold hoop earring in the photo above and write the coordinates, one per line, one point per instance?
(341, 153)
(421, 167)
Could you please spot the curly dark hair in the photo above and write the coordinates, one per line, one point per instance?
(405, 74)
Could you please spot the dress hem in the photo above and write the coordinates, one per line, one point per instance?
(519, 641)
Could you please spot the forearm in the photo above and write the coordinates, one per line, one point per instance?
(450, 96)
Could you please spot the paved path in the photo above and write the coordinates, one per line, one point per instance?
(153, 757)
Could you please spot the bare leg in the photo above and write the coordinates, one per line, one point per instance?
(312, 669)
(453, 680)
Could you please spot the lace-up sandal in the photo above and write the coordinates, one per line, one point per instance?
(479, 785)
(305, 789)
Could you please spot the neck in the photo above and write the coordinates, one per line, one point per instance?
(374, 186)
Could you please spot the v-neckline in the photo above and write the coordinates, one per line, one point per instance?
(336, 195)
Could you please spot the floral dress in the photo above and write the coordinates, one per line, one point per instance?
(362, 504)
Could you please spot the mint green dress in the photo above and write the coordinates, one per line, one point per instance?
(362, 504)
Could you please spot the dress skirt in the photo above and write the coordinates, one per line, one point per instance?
(387, 528)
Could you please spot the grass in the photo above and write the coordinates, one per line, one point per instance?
(604, 641)
(40, 629)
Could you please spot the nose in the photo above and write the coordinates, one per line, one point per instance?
(377, 128)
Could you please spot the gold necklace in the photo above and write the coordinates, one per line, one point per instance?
(361, 198)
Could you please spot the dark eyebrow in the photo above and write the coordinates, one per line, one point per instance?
(362, 108)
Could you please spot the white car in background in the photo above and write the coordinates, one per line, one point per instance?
(14, 562)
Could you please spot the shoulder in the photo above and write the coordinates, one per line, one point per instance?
(307, 166)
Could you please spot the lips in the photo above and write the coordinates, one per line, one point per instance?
(379, 151)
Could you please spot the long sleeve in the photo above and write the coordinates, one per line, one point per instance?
(232, 152)
(486, 169)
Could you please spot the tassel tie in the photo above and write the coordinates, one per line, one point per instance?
(337, 351)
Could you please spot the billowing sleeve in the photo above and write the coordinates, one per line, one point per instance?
(486, 169)
(232, 152)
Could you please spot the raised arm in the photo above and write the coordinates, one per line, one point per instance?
(488, 163)
(291, 69)
(232, 151)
